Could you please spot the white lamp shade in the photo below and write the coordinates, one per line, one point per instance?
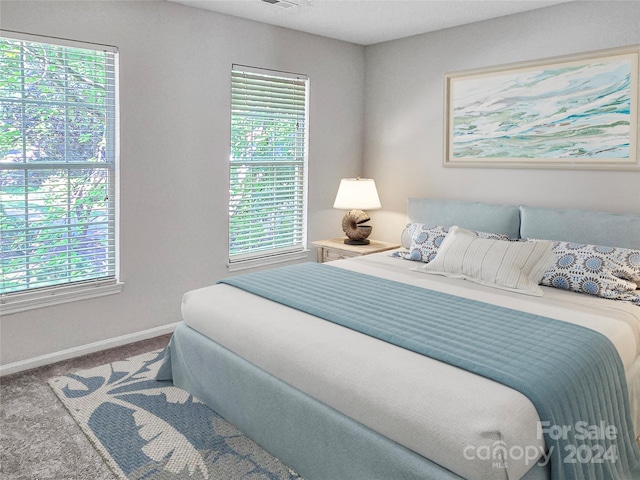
(357, 194)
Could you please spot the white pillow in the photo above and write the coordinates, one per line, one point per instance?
(405, 238)
(513, 266)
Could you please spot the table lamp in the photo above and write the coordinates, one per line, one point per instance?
(355, 195)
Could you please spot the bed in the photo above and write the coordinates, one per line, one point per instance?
(333, 403)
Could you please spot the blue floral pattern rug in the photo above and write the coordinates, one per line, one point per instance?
(151, 430)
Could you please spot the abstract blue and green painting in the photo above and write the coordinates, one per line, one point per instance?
(578, 109)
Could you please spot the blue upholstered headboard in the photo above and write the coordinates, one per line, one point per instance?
(472, 215)
(571, 225)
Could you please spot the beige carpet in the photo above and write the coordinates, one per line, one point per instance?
(38, 438)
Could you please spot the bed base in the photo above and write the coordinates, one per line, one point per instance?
(313, 439)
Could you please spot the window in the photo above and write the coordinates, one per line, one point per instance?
(268, 171)
(57, 169)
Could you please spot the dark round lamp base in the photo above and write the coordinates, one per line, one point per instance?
(349, 241)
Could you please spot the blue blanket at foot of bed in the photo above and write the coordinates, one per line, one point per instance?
(572, 375)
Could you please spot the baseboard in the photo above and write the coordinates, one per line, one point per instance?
(54, 357)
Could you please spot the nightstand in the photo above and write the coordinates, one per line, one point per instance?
(336, 249)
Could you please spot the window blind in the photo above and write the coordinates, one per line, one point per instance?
(268, 165)
(57, 164)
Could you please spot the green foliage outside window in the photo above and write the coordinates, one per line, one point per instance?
(268, 161)
(266, 169)
(57, 165)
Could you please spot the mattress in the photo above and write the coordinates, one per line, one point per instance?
(441, 412)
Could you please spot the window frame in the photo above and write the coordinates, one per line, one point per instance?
(258, 258)
(44, 296)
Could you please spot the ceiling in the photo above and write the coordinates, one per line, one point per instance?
(366, 22)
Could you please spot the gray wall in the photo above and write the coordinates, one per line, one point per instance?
(175, 68)
(404, 112)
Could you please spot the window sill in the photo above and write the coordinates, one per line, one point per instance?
(46, 297)
(264, 261)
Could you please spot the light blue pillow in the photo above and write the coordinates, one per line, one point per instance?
(608, 272)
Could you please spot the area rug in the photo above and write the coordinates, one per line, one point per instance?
(151, 430)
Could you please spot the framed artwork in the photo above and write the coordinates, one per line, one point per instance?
(567, 112)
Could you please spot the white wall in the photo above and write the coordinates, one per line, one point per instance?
(175, 66)
(404, 111)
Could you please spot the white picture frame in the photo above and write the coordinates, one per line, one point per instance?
(579, 111)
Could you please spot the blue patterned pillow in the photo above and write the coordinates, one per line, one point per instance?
(426, 239)
(607, 272)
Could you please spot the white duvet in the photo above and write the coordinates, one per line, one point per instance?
(455, 418)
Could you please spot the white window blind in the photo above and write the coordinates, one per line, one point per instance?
(268, 171)
(57, 164)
